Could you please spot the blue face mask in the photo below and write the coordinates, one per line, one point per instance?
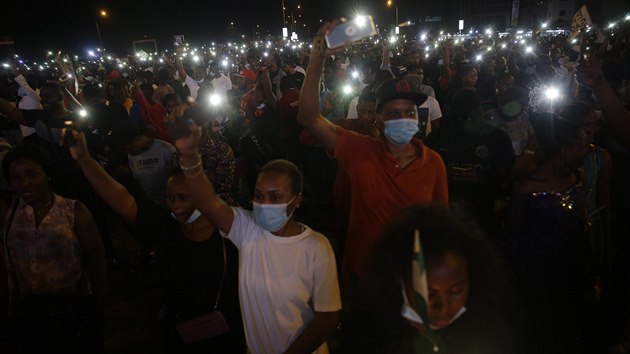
(193, 217)
(272, 217)
(400, 131)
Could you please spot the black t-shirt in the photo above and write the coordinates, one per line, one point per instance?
(268, 126)
(298, 79)
(191, 274)
(477, 163)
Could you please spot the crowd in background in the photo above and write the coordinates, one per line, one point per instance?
(478, 183)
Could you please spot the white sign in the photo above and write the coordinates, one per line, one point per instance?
(285, 32)
(461, 25)
(581, 19)
(397, 30)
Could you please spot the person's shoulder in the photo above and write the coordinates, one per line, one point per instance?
(316, 240)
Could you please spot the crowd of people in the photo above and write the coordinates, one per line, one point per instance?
(474, 188)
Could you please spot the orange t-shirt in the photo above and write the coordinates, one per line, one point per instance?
(379, 188)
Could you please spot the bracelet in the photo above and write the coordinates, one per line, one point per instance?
(529, 152)
(194, 174)
(189, 168)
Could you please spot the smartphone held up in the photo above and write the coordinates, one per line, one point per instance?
(351, 31)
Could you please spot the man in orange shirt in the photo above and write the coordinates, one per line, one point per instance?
(386, 174)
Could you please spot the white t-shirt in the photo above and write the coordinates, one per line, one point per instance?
(353, 113)
(434, 111)
(278, 278)
(151, 169)
(222, 85)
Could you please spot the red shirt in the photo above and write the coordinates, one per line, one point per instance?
(153, 116)
(379, 188)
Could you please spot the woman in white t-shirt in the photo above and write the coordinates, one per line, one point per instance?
(287, 273)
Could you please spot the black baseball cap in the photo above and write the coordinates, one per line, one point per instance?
(398, 89)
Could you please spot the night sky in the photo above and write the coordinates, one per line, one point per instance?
(71, 26)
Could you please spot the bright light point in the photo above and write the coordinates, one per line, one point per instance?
(489, 48)
(360, 20)
(503, 45)
(488, 31)
(552, 93)
(544, 25)
(69, 76)
(611, 25)
(161, 60)
(91, 53)
(122, 66)
(196, 58)
(215, 99)
(355, 75)
(265, 54)
(347, 89)
(456, 41)
(225, 63)
(392, 39)
(529, 49)
(427, 48)
(83, 113)
(627, 17)
(5, 65)
(573, 41)
(479, 57)
(426, 55)
(522, 41)
(423, 36)
(103, 13)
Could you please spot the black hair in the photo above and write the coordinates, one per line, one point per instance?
(92, 91)
(554, 132)
(170, 97)
(56, 88)
(379, 297)
(367, 95)
(27, 151)
(289, 169)
(162, 76)
(124, 132)
(577, 112)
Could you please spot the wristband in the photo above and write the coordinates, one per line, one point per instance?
(529, 152)
(189, 168)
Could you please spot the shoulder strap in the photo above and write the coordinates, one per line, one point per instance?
(216, 303)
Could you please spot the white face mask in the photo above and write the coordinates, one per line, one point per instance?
(272, 217)
(411, 315)
(408, 313)
(193, 217)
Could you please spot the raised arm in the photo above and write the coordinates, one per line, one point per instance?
(205, 198)
(112, 192)
(617, 117)
(21, 80)
(309, 114)
(270, 98)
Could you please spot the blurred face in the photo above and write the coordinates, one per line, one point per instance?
(48, 98)
(399, 109)
(136, 146)
(470, 79)
(275, 188)
(591, 126)
(178, 198)
(574, 154)
(171, 107)
(414, 58)
(504, 84)
(28, 179)
(366, 110)
(449, 287)
(199, 74)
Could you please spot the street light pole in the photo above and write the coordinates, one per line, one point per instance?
(101, 13)
(98, 31)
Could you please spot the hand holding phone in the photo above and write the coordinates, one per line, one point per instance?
(351, 31)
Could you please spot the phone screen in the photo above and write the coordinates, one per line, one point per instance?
(351, 31)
